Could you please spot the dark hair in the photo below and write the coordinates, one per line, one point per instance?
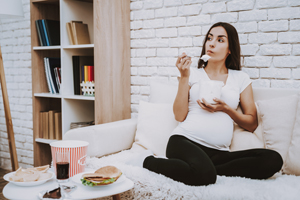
(233, 60)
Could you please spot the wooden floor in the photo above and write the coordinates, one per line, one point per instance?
(2, 181)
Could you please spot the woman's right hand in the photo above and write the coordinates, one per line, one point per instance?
(183, 64)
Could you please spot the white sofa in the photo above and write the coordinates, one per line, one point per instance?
(118, 140)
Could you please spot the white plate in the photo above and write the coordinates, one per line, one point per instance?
(41, 194)
(27, 184)
(76, 178)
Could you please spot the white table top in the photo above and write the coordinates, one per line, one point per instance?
(12, 191)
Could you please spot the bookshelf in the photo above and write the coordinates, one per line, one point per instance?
(109, 28)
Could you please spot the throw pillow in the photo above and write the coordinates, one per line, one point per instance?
(278, 117)
(293, 157)
(243, 139)
(163, 91)
(154, 127)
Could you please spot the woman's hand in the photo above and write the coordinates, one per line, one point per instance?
(183, 64)
(219, 106)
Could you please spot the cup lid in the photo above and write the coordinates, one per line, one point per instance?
(69, 143)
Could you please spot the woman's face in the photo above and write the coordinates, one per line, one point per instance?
(216, 45)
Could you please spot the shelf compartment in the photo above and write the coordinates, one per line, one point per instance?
(38, 70)
(77, 11)
(76, 111)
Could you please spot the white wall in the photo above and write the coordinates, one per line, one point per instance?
(161, 30)
(15, 44)
(269, 32)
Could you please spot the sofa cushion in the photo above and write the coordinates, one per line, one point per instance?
(163, 91)
(293, 156)
(155, 124)
(278, 117)
(243, 139)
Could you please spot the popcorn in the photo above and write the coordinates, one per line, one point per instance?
(205, 58)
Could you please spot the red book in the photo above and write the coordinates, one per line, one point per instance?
(92, 69)
(89, 73)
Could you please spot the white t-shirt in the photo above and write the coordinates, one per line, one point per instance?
(212, 130)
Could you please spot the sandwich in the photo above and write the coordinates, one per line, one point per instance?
(103, 176)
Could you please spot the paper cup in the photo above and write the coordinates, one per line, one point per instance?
(209, 90)
(78, 151)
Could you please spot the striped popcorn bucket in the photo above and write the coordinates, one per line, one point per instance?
(77, 149)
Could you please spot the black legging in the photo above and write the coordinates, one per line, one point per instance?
(194, 164)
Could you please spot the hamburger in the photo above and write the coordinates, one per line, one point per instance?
(103, 176)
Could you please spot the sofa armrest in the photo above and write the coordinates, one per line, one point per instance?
(105, 138)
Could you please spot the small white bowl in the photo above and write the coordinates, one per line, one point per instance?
(27, 184)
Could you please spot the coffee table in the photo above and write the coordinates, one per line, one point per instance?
(12, 191)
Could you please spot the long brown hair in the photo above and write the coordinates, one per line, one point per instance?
(233, 60)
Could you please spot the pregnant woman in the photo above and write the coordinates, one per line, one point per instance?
(198, 149)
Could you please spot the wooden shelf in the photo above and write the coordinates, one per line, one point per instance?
(111, 74)
(46, 1)
(46, 48)
(81, 46)
(79, 97)
(49, 95)
(44, 141)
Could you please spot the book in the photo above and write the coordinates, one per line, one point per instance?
(81, 33)
(51, 124)
(70, 33)
(57, 77)
(53, 63)
(52, 31)
(47, 75)
(90, 73)
(45, 122)
(45, 33)
(41, 125)
(39, 32)
(42, 33)
(85, 73)
(57, 125)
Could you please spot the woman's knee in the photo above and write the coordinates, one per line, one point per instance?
(275, 160)
(203, 177)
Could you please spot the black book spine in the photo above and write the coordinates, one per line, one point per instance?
(38, 32)
(76, 75)
(53, 31)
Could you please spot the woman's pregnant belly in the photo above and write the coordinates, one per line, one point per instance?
(213, 129)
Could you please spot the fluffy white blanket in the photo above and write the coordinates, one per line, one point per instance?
(149, 185)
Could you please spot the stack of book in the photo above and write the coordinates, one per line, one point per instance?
(81, 124)
(48, 32)
(83, 71)
(53, 74)
(50, 125)
(78, 33)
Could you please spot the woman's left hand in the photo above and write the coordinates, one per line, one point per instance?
(219, 106)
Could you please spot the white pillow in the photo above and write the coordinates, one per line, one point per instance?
(278, 117)
(154, 127)
(243, 139)
(163, 91)
(292, 165)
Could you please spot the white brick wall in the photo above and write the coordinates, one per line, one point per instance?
(269, 33)
(15, 44)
